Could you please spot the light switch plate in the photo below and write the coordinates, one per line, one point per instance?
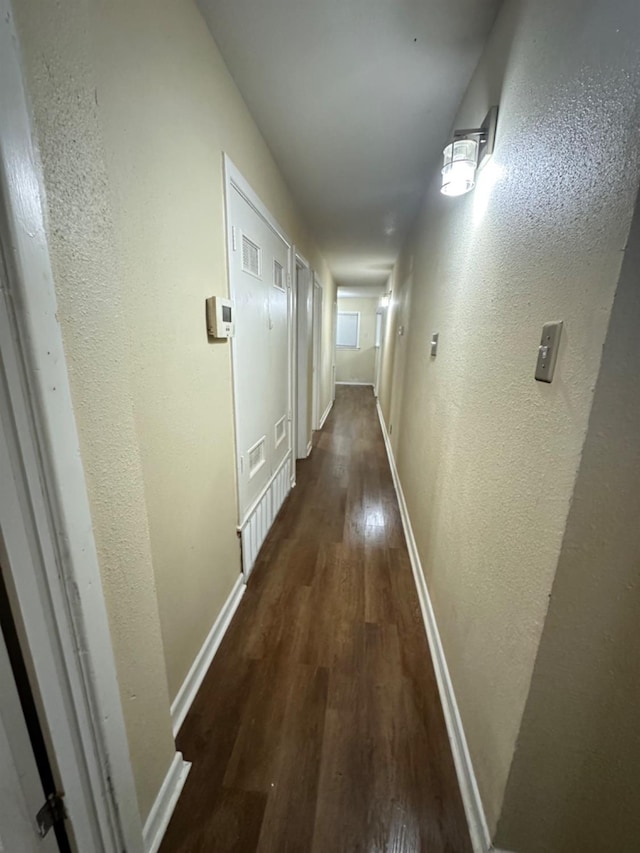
(548, 351)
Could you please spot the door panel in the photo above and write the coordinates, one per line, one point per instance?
(259, 266)
(317, 352)
(279, 366)
(304, 282)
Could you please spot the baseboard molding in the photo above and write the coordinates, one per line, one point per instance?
(156, 824)
(474, 810)
(324, 417)
(190, 686)
(309, 448)
(370, 384)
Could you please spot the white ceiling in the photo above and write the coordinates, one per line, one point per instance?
(355, 99)
(361, 291)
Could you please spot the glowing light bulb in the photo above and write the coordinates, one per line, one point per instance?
(459, 170)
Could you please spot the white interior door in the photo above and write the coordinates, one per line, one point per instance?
(317, 352)
(304, 303)
(333, 350)
(21, 793)
(259, 276)
(378, 347)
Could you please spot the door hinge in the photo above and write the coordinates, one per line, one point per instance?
(289, 280)
(51, 813)
(242, 464)
(289, 416)
(234, 244)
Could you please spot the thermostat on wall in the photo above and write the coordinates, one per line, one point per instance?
(220, 317)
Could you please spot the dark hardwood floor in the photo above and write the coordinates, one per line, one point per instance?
(318, 726)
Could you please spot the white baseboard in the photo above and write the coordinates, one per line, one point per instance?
(190, 686)
(370, 384)
(324, 417)
(156, 824)
(474, 810)
(309, 448)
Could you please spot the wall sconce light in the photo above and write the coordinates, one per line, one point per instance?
(467, 152)
(384, 301)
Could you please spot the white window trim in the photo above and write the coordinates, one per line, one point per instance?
(346, 346)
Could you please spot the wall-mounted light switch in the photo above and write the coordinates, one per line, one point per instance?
(434, 344)
(548, 351)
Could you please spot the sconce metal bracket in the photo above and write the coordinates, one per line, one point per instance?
(486, 134)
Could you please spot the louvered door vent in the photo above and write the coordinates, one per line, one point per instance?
(250, 256)
(256, 457)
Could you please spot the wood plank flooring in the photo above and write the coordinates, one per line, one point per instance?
(318, 728)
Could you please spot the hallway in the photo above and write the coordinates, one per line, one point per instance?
(318, 726)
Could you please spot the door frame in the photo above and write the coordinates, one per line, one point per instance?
(378, 339)
(301, 347)
(334, 339)
(318, 307)
(57, 582)
(235, 180)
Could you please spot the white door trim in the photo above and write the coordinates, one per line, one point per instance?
(318, 297)
(334, 323)
(304, 334)
(234, 177)
(300, 262)
(379, 335)
(57, 581)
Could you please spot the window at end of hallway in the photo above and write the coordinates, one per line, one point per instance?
(348, 331)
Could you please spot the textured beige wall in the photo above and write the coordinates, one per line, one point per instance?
(133, 108)
(166, 121)
(62, 83)
(487, 457)
(328, 352)
(396, 324)
(357, 365)
(398, 338)
(574, 780)
(388, 350)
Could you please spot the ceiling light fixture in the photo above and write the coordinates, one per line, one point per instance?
(468, 151)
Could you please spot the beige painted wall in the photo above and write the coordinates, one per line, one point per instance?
(395, 329)
(487, 457)
(328, 355)
(574, 780)
(357, 365)
(133, 108)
